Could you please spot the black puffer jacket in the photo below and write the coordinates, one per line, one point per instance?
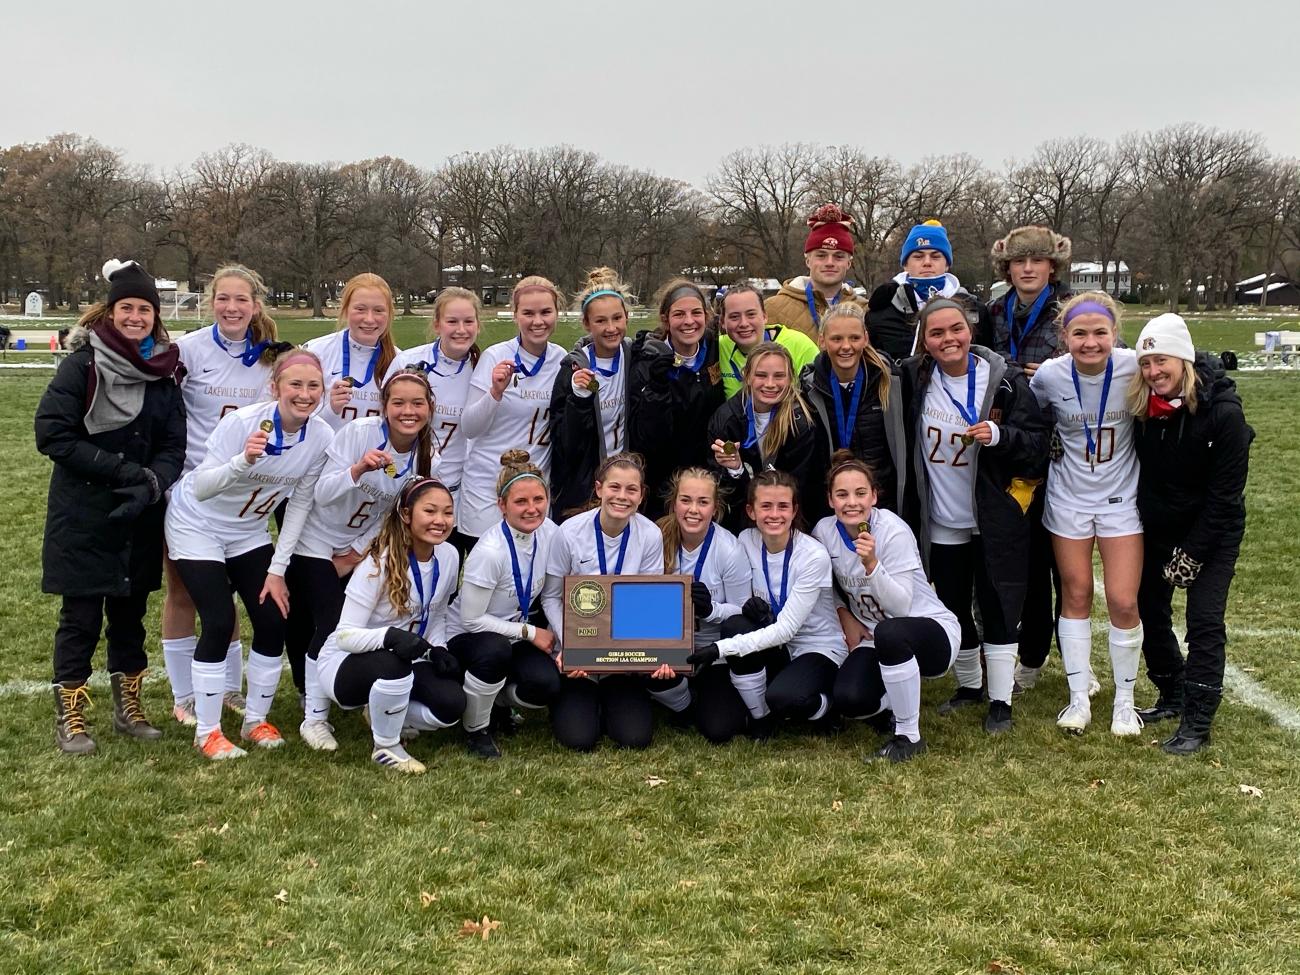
(892, 316)
(1192, 479)
(1020, 455)
(878, 437)
(85, 554)
(668, 415)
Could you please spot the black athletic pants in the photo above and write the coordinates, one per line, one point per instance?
(209, 585)
(80, 619)
(316, 594)
(859, 689)
(1207, 602)
(619, 705)
(958, 572)
(1042, 591)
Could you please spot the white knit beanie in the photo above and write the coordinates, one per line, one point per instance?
(1166, 334)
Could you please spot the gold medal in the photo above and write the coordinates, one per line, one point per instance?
(348, 381)
(391, 470)
(967, 439)
(679, 361)
(864, 528)
(729, 448)
(266, 426)
(592, 385)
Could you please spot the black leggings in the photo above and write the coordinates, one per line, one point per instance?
(1207, 634)
(1042, 592)
(316, 594)
(359, 671)
(444, 695)
(617, 704)
(720, 712)
(796, 693)
(77, 636)
(533, 672)
(209, 585)
(859, 690)
(957, 571)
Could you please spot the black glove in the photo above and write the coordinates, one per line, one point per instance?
(134, 500)
(1181, 570)
(129, 474)
(757, 611)
(407, 645)
(704, 656)
(444, 664)
(702, 600)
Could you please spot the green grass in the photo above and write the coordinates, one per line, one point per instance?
(1045, 854)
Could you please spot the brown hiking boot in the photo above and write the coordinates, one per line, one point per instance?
(128, 714)
(70, 704)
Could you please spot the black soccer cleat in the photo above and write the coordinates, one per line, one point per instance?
(898, 749)
(966, 697)
(998, 720)
(481, 744)
(1163, 710)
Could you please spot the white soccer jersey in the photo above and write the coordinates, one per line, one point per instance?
(897, 587)
(216, 383)
(808, 595)
(227, 499)
(613, 396)
(519, 420)
(725, 573)
(1073, 482)
(489, 565)
(449, 379)
(346, 513)
(367, 613)
(574, 553)
(365, 399)
(949, 470)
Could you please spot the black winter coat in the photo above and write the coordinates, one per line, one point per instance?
(803, 456)
(575, 441)
(892, 317)
(1192, 479)
(85, 554)
(878, 436)
(669, 415)
(1020, 455)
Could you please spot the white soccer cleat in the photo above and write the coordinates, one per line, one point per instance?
(397, 758)
(1075, 716)
(1125, 722)
(318, 736)
(183, 712)
(1094, 685)
(1025, 679)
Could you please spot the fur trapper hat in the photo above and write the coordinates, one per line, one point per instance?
(1032, 241)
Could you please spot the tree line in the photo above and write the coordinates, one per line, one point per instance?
(1190, 209)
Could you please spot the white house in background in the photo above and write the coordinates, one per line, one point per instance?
(1086, 276)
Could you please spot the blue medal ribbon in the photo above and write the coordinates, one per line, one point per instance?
(410, 457)
(751, 436)
(812, 304)
(519, 363)
(848, 539)
(432, 367)
(419, 588)
(613, 369)
(600, 547)
(844, 424)
(785, 575)
(347, 361)
(523, 594)
(1034, 311)
(279, 446)
(1093, 452)
(695, 364)
(251, 352)
(969, 413)
(704, 554)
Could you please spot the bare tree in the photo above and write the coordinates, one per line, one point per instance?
(761, 198)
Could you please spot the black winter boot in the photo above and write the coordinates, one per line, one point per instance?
(1200, 702)
(1169, 703)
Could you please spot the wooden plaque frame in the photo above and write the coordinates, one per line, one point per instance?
(587, 635)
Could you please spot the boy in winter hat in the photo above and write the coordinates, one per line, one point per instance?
(828, 253)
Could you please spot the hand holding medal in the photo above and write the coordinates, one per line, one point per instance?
(373, 460)
(981, 432)
(340, 394)
(865, 546)
(255, 445)
(501, 375)
(585, 379)
(727, 454)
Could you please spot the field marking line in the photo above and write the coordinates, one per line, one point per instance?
(35, 688)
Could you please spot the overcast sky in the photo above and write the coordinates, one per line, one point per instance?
(665, 85)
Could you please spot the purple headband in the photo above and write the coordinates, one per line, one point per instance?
(1086, 308)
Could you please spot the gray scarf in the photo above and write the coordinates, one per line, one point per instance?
(120, 376)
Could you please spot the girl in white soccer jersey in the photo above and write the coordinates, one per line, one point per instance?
(897, 629)
(388, 653)
(227, 365)
(510, 401)
(788, 626)
(612, 539)
(504, 574)
(1092, 494)
(977, 445)
(357, 355)
(586, 427)
(217, 532)
(367, 463)
(696, 545)
(448, 361)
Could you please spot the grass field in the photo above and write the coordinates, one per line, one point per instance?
(1030, 854)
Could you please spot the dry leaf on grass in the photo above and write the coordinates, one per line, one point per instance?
(654, 780)
(999, 967)
(1096, 783)
(199, 863)
(1252, 791)
(427, 898)
(836, 806)
(483, 928)
(283, 896)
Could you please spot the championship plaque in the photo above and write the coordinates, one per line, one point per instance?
(628, 624)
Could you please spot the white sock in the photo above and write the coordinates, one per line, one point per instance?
(235, 666)
(676, 698)
(208, 681)
(317, 707)
(903, 682)
(512, 695)
(1125, 646)
(479, 698)
(419, 717)
(178, 658)
(1000, 658)
(388, 703)
(1075, 638)
(823, 705)
(752, 689)
(969, 670)
(263, 679)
